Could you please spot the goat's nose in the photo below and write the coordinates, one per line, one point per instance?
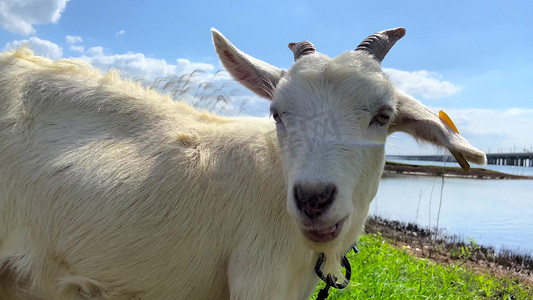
(314, 199)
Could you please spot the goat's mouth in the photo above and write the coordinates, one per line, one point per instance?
(325, 234)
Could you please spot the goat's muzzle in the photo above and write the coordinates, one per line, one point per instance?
(312, 200)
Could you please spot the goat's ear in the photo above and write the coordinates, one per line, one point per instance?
(419, 121)
(258, 76)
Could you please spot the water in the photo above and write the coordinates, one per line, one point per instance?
(495, 213)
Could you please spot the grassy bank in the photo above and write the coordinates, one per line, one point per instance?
(445, 248)
(383, 271)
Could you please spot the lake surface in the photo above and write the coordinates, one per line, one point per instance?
(495, 213)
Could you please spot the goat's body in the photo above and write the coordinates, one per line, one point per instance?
(112, 191)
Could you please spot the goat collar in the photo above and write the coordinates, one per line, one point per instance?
(331, 281)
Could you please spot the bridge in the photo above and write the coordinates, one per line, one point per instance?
(521, 159)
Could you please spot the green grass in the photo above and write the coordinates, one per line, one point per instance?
(382, 271)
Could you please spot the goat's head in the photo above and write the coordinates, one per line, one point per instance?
(332, 117)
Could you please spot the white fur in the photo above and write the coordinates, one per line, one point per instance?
(112, 191)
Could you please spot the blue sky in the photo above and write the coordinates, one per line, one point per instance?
(470, 58)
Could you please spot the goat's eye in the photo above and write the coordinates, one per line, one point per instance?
(380, 119)
(276, 117)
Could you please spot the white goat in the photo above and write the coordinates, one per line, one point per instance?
(112, 191)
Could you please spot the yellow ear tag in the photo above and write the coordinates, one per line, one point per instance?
(446, 119)
(456, 154)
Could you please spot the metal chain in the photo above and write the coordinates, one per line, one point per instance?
(331, 281)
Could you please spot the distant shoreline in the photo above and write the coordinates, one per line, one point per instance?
(394, 168)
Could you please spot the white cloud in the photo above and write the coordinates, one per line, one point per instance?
(20, 16)
(138, 65)
(193, 82)
(422, 83)
(120, 32)
(133, 64)
(72, 39)
(79, 49)
(95, 51)
(496, 130)
(39, 47)
(185, 66)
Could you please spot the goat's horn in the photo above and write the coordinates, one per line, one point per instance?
(301, 48)
(379, 44)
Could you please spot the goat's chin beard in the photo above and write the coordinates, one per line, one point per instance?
(333, 250)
